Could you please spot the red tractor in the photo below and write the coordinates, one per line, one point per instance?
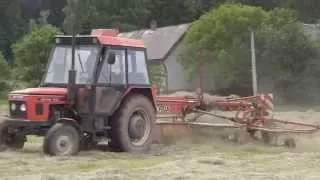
(96, 87)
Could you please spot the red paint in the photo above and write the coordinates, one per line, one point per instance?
(109, 37)
(31, 113)
(46, 96)
(120, 41)
(175, 105)
(42, 91)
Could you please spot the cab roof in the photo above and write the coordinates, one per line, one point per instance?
(119, 41)
(109, 37)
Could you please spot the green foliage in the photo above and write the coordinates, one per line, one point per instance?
(4, 75)
(225, 33)
(308, 10)
(128, 15)
(168, 12)
(157, 75)
(287, 57)
(125, 15)
(284, 52)
(12, 25)
(32, 52)
(55, 8)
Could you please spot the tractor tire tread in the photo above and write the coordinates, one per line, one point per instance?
(51, 135)
(119, 124)
(18, 139)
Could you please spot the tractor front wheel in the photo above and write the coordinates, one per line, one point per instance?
(13, 141)
(62, 139)
(133, 125)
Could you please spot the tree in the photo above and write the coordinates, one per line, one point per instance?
(32, 52)
(55, 8)
(168, 12)
(284, 51)
(125, 15)
(309, 10)
(12, 25)
(266, 4)
(4, 74)
(224, 32)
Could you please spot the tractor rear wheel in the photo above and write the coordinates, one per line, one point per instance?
(131, 129)
(62, 139)
(13, 141)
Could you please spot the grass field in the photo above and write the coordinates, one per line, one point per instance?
(187, 159)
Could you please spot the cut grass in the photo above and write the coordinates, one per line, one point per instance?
(296, 107)
(3, 104)
(184, 160)
(202, 157)
(129, 163)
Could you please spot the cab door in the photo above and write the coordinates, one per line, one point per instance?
(111, 82)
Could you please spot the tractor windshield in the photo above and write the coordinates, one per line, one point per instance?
(60, 64)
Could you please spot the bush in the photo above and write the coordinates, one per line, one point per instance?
(157, 76)
(31, 54)
(4, 75)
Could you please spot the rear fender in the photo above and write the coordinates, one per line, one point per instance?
(136, 90)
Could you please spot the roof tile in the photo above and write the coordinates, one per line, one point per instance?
(160, 41)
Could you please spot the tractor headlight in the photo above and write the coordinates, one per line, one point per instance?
(13, 107)
(23, 107)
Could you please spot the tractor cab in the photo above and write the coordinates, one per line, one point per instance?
(98, 60)
(88, 82)
(60, 61)
(107, 64)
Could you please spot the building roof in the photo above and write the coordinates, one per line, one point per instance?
(160, 41)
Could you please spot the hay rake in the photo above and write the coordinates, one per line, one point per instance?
(252, 113)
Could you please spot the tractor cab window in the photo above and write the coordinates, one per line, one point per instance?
(137, 68)
(113, 73)
(60, 63)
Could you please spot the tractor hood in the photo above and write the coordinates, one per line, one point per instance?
(42, 91)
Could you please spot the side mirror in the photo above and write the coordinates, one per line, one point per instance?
(111, 58)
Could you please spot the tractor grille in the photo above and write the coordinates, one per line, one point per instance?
(15, 109)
